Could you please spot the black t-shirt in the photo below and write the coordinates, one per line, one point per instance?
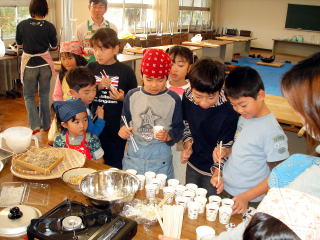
(36, 36)
(122, 77)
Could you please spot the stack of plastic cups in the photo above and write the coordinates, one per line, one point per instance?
(225, 211)
(211, 211)
(157, 183)
(202, 203)
(151, 191)
(179, 190)
(166, 191)
(163, 179)
(193, 209)
(149, 176)
(189, 194)
(181, 200)
(142, 179)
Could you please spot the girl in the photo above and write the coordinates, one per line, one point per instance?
(182, 58)
(72, 119)
(36, 35)
(71, 57)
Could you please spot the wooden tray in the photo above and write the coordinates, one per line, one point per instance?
(273, 64)
(136, 50)
(72, 159)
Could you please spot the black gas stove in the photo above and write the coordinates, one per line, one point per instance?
(76, 221)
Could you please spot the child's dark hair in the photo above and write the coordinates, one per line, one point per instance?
(183, 52)
(38, 8)
(80, 77)
(80, 61)
(105, 37)
(243, 82)
(265, 227)
(104, 2)
(59, 125)
(207, 76)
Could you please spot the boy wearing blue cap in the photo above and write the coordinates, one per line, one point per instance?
(72, 119)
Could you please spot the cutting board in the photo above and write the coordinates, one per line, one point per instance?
(273, 64)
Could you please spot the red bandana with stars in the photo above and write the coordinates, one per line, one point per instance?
(155, 63)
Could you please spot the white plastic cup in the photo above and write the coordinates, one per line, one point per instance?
(179, 190)
(157, 129)
(173, 182)
(192, 187)
(132, 171)
(227, 202)
(211, 211)
(193, 210)
(203, 231)
(181, 200)
(202, 203)
(156, 182)
(225, 213)
(142, 179)
(166, 191)
(151, 191)
(163, 179)
(201, 192)
(215, 199)
(149, 176)
(189, 194)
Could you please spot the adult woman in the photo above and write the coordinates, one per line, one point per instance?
(35, 36)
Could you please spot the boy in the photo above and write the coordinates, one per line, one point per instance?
(209, 119)
(85, 30)
(260, 143)
(116, 80)
(83, 85)
(147, 107)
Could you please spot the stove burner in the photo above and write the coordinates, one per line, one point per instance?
(71, 223)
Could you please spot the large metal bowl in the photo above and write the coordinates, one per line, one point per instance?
(110, 188)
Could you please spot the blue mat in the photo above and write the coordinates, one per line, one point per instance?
(271, 76)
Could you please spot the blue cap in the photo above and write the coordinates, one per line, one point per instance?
(68, 109)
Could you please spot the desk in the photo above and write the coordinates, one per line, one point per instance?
(215, 48)
(303, 49)
(59, 191)
(9, 69)
(241, 44)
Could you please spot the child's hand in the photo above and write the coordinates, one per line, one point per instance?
(187, 151)
(214, 181)
(216, 153)
(163, 136)
(116, 94)
(100, 112)
(125, 132)
(105, 83)
(240, 204)
(100, 160)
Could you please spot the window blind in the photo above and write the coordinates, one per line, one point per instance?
(13, 3)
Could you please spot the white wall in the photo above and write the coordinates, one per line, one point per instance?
(265, 18)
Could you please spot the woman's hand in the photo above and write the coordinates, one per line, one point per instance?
(216, 153)
(125, 132)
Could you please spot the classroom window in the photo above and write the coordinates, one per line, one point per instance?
(130, 14)
(9, 19)
(194, 13)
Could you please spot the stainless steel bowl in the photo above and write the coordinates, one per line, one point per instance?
(110, 188)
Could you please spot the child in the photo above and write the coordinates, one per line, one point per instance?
(182, 58)
(118, 81)
(83, 85)
(260, 142)
(209, 119)
(72, 118)
(70, 56)
(149, 106)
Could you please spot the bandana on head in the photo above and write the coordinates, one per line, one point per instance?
(68, 109)
(155, 63)
(72, 47)
(299, 211)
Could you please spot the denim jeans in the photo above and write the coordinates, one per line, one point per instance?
(201, 180)
(37, 79)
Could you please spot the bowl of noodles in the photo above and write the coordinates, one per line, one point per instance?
(73, 177)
